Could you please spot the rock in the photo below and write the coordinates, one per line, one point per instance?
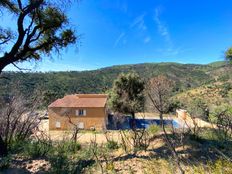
(30, 166)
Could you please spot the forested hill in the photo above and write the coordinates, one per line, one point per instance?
(57, 84)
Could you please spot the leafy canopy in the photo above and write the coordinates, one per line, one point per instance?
(41, 28)
(127, 94)
(228, 54)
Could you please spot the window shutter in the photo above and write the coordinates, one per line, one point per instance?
(58, 124)
(81, 125)
(77, 112)
(84, 112)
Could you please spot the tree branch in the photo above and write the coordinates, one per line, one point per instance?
(20, 5)
(21, 69)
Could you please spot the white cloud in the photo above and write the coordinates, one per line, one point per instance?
(147, 39)
(171, 49)
(139, 22)
(119, 39)
(162, 28)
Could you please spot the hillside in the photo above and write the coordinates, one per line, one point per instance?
(213, 95)
(57, 84)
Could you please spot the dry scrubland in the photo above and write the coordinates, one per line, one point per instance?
(106, 152)
(214, 95)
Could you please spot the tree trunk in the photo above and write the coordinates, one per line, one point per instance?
(170, 145)
(133, 125)
(1, 68)
(4, 62)
(3, 148)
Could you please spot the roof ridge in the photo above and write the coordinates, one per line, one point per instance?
(81, 100)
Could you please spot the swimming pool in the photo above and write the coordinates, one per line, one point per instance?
(145, 123)
(140, 123)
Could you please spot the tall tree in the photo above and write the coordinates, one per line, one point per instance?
(159, 92)
(127, 95)
(228, 54)
(41, 28)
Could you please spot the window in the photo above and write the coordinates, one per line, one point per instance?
(80, 112)
(81, 125)
(77, 112)
(58, 124)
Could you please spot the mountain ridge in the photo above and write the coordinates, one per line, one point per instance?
(216, 63)
(57, 84)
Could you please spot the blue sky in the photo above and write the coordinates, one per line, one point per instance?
(116, 32)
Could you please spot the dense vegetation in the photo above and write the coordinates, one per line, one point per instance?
(54, 85)
(204, 90)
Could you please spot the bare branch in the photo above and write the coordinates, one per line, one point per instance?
(21, 69)
(20, 5)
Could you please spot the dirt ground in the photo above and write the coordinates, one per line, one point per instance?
(84, 137)
(154, 160)
(87, 136)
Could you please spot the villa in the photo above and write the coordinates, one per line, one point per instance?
(87, 111)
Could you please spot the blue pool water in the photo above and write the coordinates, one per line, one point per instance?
(140, 123)
(145, 123)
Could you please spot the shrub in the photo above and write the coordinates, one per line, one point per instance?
(63, 161)
(36, 149)
(153, 129)
(140, 146)
(59, 163)
(83, 163)
(112, 145)
(221, 166)
(199, 169)
(110, 167)
(18, 146)
(71, 146)
(5, 162)
(222, 118)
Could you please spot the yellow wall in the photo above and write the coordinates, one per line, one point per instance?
(181, 113)
(95, 117)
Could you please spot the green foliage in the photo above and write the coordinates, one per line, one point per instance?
(226, 87)
(64, 157)
(110, 167)
(60, 163)
(18, 146)
(59, 158)
(222, 117)
(112, 145)
(57, 84)
(175, 104)
(224, 78)
(198, 108)
(208, 134)
(71, 146)
(47, 29)
(199, 169)
(220, 166)
(35, 149)
(5, 162)
(215, 138)
(127, 95)
(153, 129)
(228, 54)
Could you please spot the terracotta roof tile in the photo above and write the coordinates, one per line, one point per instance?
(81, 100)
